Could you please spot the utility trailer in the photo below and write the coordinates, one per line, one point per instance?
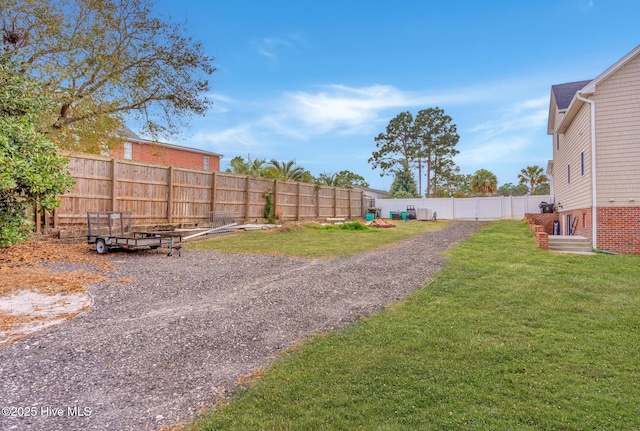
(112, 229)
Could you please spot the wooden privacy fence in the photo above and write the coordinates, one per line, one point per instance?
(157, 194)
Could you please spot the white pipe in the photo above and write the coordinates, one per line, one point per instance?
(594, 203)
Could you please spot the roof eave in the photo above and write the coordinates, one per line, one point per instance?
(590, 88)
(177, 147)
(552, 114)
(570, 114)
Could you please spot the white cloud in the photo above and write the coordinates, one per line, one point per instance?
(507, 148)
(526, 115)
(220, 97)
(220, 103)
(268, 54)
(270, 47)
(349, 110)
(240, 138)
(322, 118)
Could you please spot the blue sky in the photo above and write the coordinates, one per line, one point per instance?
(316, 81)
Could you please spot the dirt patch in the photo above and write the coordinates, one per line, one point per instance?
(44, 281)
(26, 312)
(43, 249)
(289, 228)
(40, 286)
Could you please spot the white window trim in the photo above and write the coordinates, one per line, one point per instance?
(128, 151)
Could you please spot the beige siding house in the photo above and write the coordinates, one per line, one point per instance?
(595, 169)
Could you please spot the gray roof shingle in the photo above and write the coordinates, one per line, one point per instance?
(564, 92)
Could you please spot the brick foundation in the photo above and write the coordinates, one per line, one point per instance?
(542, 238)
(619, 229)
(539, 224)
(583, 225)
(542, 219)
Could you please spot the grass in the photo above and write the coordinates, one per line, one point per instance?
(316, 241)
(506, 337)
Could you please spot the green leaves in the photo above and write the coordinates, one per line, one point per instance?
(31, 171)
(404, 184)
(102, 60)
(535, 177)
(427, 140)
(484, 181)
(345, 179)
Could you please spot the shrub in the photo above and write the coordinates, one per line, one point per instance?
(31, 171)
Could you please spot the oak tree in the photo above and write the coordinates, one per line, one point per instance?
(101, 61)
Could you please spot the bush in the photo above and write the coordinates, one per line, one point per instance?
(31, 171)
(349, 226)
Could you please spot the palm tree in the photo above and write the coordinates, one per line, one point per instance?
(287, 171)
(534, 176)
(254, 167)
(330, 180)
(484, 181)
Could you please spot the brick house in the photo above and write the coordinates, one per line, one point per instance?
(595, 171)
(134, 147)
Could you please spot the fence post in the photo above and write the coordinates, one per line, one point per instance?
(170, 196)
(275, 197)
(317, 189)
(213, 191)
(511, 206)
(349, 204)
(113, 184)
(247, 198)
(298, 201)
(335, 202)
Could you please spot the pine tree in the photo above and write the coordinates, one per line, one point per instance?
(404, 184)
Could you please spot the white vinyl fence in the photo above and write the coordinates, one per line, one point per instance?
(491, 208)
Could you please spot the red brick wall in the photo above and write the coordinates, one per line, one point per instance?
(169, 156)
(584, 225)
(542, 219)
(619, 229)
(542, 238)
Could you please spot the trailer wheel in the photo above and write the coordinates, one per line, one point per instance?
(101, 246)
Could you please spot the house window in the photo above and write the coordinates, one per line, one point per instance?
(128, 151)
(104, 151)
(582, 163)
(206, 163)
(568, 174)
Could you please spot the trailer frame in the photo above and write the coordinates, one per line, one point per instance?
(112, 230)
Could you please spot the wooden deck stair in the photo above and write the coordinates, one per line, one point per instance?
(570, 244)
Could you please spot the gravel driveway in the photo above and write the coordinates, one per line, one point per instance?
(168, 336)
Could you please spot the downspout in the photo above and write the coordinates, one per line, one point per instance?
(594, 206)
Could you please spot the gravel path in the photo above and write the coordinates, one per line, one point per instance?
(168, 336)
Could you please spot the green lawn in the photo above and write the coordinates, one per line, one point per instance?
(316, 241)
(508, 337)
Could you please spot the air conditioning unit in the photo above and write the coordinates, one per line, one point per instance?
(424, 214)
